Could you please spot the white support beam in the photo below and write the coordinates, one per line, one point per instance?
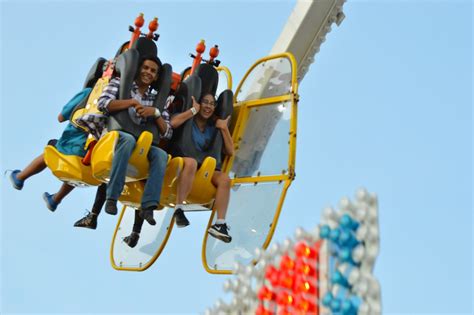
(306, 30)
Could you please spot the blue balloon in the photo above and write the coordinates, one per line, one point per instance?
(335, 305)
(327, 299)
(324, 231)
(348, 222)
(334, 235)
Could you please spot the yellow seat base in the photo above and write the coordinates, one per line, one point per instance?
(202, 192)
(103, 155)
(69, 168)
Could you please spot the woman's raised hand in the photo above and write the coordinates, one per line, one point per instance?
(196, 105)
(222, 123)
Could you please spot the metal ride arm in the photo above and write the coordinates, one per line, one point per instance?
(306, 30)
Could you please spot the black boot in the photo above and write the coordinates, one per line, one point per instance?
(180, 218)
(132, 239)
(89, 221)
(111, 206)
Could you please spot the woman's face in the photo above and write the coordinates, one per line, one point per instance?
(208, 105)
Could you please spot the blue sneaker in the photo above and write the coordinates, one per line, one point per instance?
(50, 203)
(16, 183)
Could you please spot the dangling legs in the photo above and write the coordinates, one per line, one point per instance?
(133, 238)
(18, 177)
(152, 191)
(90, 220)
(222, 183)
(52, 201)
(185, 183)
(123, 151)
(35, 167)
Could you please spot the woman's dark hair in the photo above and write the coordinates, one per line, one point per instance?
(202, 96)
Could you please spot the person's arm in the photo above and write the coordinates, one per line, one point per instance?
(108, 102)
(221, 124)
(118, 105)
(165, 129)
(179, 119)
(162, 120)
(164, 124)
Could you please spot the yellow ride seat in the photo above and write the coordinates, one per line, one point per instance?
(103, 154)
(132, 191)
(202, 192)
(69, 168)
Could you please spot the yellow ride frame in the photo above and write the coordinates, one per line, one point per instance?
(152, 260)
(237, 135)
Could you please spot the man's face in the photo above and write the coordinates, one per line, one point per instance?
(148, 73)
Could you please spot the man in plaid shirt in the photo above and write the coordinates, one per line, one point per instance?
(140, 108)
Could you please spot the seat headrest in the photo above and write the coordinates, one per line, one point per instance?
(95, 73)
(145, 47)
(225, 104)
(122, 48)
(209, 78)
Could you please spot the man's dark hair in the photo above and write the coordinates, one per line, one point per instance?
(155, 59)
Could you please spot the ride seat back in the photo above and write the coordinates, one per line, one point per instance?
(204, 81)
(95, 73)
(127, 67)
(69, 168)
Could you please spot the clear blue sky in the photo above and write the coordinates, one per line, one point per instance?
(387, 105)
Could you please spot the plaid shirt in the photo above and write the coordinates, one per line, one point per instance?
(111, 91)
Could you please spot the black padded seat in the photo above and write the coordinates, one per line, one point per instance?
(122, 48)
(203, 81)
(127, 67)
(95, 73)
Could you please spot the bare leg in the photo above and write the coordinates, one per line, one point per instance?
(222, 182)
(36, 166)
(62, 192)
(186, 179)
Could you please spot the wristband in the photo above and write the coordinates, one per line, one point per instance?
(157, 113)
(194, 111)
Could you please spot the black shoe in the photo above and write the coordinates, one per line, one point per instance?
(180, 218)
(111, 206)
(147, 215)
(219, 231)
(89, 221)
(132, 239)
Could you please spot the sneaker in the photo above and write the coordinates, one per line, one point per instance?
(132, 239)
(219, 231)
(111, 206)
(50, 203)
(147, 215)
(180, 218)
(89, 221)
(16, 183)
